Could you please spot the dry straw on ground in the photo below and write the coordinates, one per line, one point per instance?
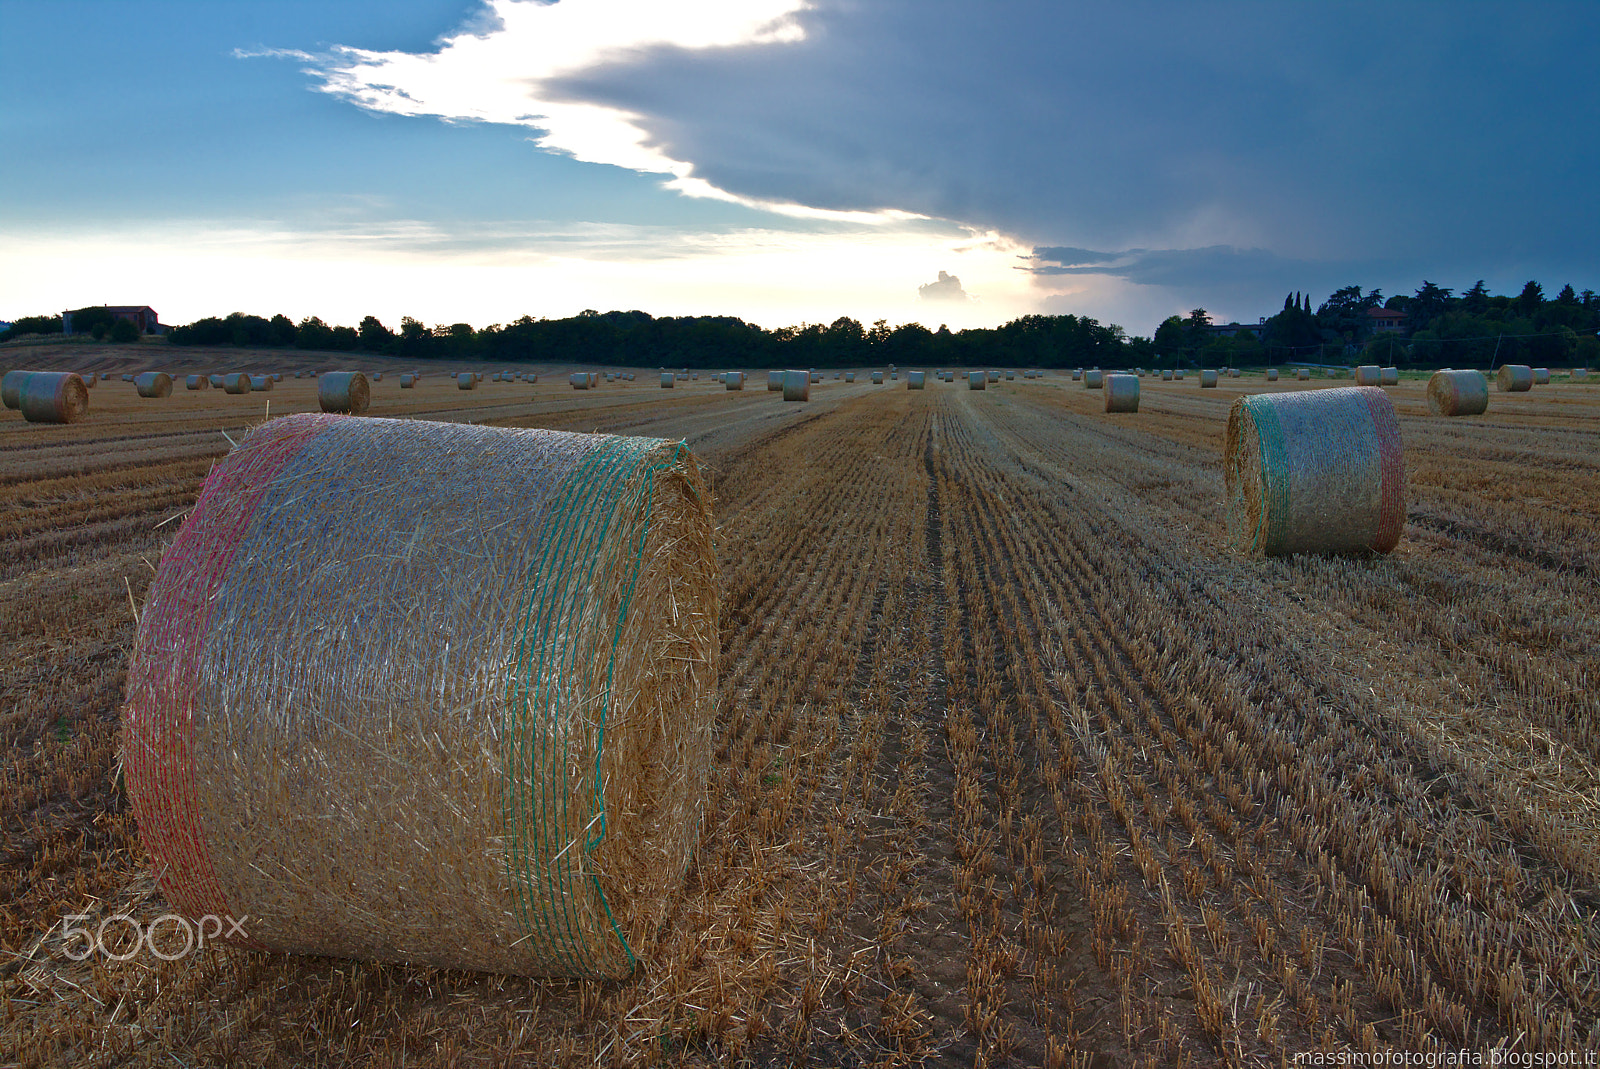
(796, 386)
(1317, 472)
(344, 391)
(1122, 393)
(1514, 378)
(1458, 393)
(153, 384)
(467, 724)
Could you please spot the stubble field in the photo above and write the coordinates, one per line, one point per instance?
(1018, 764)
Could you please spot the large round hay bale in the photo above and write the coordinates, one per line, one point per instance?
(1208, 379)
(467, 380)
(1233, 373)
(196, 382)
(796, 386)
(153, 384)
(579, 380)
(1541, 376)
(408, 381)
(849, 376)
(1178, 374)
(1077, 373)
(1166, 375)
(1122, 393)
(53, 397)
(1302, 374)
(1369, 375)
(260, 383)
(1314, 472)
(236, 382)
(481, 743)
(1094, 380)
(1272, 374)
(215, 381)
(774, 381)
(734, 380)
(877, 378)
(667, 379)
(977, 380)
(344, 391)
(1389, 376)
(916, 380)
(1458, 393)
(1514, 378)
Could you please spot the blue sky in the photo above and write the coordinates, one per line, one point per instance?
(787, 160)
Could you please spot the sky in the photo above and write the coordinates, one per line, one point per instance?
(788, 161)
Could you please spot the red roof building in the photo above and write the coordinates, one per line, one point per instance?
(1384, 319)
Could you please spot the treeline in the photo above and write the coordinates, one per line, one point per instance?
(1472, 329)
(96, 321)
(639, 339)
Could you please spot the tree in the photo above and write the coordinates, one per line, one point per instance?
(1344, 313)
(373, 334)
(1169, 341)
(123, 332)
(1530, 299)
(1476, 300)
(1567, 296)
(1430, 301)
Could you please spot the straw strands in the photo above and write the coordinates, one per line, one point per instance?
(344, 391)
(153, 384)
(1208, 379)
(1514, 378)
(796, 386)
(489, 753)
(52, 397)
(1314, 472)
(1458, 393)
(1122, 393)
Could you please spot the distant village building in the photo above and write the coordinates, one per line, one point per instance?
(1386, 319)
(141, 316)
(1228, 330)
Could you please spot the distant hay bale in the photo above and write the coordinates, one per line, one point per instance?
(153, 384)
(127, 377)
(533, 378)
(196, 382)
(408, 381)
(1094, 379)
(277, 376)
(1010, 376)
(849, 376)
(377, 376)
(1514, 378)
(734, 380)
(1272, 374)
(261, 383)
(1208, 379)
(816, 376)
(344, 391)
(236, 382)
(1389, 376)
(877, 378)
(1318, 471)
(1077, 373)
(1458, 393)
(1122, 393)
(774, 381)
(490, 753)
(994, 376)
(579, 380)
(1303, 374)
(466, 381)
(796, 386)
(594, 379)
(52, 397)
(215, 380)
(1580, 374)
(1541, 376)
(1166, 375)
(667, 379)
(1177, 374)
(977, 380)
(104, 375)
(916, 380)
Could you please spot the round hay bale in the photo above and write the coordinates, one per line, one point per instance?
(1541, 376)
(977, 380)
(53, 397)
(1208, 379)
(1389, 376)
(490, 752)
(816, 376)
(1303, 374)
(1272, 374)
(467, 381)
(734, 380)
(1178, 374)
(1122, 393)
(1094, 379)
(215, 380)
(260, 383)
(916, 380)
(1314, 472)
(1514, 378)
(849, 376)
(667, 379)
(1166, 375)
(88, 380)
(1011, 376)
(127, 376)
(196, 382)
(774, 381)
(408, 381)
(796, 386)
(594, 379)
(1077, 373)
(153, 384)
(344, 391)
(533, 379)
(1458, 393)
(236, 382)
(377, 376)
(579, 380)
(11, 388)
(1233, 373)
(877, 378)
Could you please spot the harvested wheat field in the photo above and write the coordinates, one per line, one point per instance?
(1016, 762)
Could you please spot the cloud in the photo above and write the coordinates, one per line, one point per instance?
(947, 289)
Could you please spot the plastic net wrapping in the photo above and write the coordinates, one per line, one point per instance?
(460, 721)
(1317, 472)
